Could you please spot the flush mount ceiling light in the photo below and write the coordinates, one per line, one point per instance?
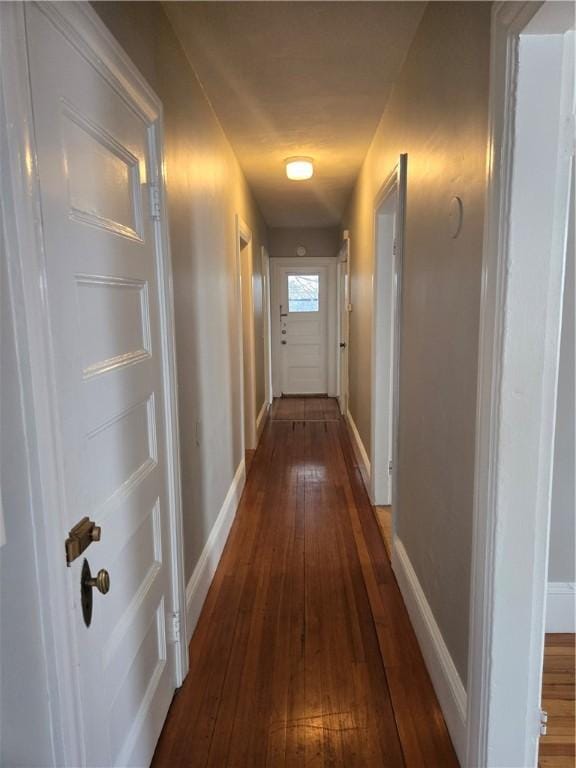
(299, 168)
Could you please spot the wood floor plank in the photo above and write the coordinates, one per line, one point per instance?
(303, 654)
(422, 729)
(558, 746)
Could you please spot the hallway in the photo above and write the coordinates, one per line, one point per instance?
(304, 654)
(269, 271)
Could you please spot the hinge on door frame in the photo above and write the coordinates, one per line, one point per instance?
(175, 628)
(394, 247)
(155, 207)
(389, 467)
(543, 722)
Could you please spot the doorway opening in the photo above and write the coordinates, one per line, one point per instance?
(266, 305)
(525, 244)
(305, 335)
(387, 290)
(343, 322)
(246, 340)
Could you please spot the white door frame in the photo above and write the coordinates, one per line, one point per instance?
(386, 303)
(343, 291)
(266, 320)
(27, 275)
(520, 322)
(244, 244)
(332, 317)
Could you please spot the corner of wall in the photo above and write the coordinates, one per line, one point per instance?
(201, 579)
(445, 678)
(360, 452)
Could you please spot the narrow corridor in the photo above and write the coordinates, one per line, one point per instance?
(304, 654)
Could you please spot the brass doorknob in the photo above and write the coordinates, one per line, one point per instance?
(101, 582)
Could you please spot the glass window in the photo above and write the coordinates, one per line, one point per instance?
(303, 293)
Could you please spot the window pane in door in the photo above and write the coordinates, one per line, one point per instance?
(303, 291)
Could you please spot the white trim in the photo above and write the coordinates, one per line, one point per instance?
(244, 236)
(359, 450)
(266, 323)
(343, 323)
(514, 429)
(203, 573)
(19, 203)
(24, 243)
(385, 338)
(561, 607)
(261, 420)
(170, 382)
(445, 678)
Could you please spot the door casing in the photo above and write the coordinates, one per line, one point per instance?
(389, 210)
(246, 343)
(519, 345)
(267, 333)
(343, 323)
(24, 243)
(332, 340)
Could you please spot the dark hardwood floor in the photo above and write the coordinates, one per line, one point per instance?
(558, 747)
(304, 654)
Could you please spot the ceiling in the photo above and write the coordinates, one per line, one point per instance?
(297, 78)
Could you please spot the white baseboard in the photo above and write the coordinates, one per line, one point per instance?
(359, 451)
(445, 678)
(205, 569)
(261, 419)
(561, 607)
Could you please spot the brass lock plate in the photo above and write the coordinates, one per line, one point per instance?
(80, 537)
(87, 586)
(86, 593)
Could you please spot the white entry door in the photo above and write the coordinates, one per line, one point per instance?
(303, 330)
(103, 307)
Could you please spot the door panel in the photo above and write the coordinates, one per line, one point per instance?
(303, 330)
(103, 306)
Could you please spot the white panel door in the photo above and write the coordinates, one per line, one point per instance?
(303, 330)
(103, 305)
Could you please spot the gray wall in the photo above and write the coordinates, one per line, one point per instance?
(438, 114)
(318, 241)
(562, 566)
(206, 188)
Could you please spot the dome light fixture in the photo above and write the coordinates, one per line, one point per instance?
(299, 168)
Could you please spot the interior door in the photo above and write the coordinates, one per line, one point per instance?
(102, 301)
(344, 301)
(303, 330)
